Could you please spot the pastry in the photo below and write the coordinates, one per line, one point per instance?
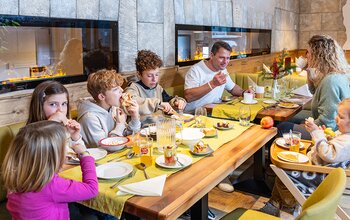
(209, 131)
(126, 99)
(200, 147)
(223, 124)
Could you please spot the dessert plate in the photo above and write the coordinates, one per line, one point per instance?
(184, 159)
(287, 105)
(269, 101)
(223, 128)
(96, 153)
(282, 143)
(210, 135)
(250, 103)
(113, 170)
(293, 157)
(208, 150)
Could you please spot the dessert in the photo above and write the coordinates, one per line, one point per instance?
(209, 131)
(200, 147)
(170, 155)
(223, 124)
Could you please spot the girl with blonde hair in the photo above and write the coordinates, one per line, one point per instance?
(30, 173)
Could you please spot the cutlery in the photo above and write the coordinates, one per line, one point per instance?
(181, 164)
(129, 156)
(124, 155)
(123, 179)
(142, 166)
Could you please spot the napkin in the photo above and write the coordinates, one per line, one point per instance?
(302, 90)
(266, 68)
(149, 187)
(251, 83)
(303, 73)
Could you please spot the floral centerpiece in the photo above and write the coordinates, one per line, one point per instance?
(281, 67)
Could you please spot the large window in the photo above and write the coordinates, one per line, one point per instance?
(33, 49)
(193, 43)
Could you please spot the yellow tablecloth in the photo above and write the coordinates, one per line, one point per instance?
(231, 109)
(108, 202)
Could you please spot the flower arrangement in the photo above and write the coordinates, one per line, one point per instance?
(280, 67)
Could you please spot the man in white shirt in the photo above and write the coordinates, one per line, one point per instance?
(205, 81)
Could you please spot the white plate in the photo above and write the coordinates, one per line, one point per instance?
(184, 159)
(282, 143)
(149, 130)
(289, 105)
(207, 151)
(270, 101)
(293, 157)
(250, 103)
(96, 153)
(293, 100)
(223, 128)
(113, 170)
(185, 117)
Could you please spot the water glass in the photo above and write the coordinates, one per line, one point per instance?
(200, 117)
(244, 115)
(166, 130)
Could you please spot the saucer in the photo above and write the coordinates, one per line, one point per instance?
(250, 103)
(293, 157)
(269, 101)
(282, 143)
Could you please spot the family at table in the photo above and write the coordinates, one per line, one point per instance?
(31, 166)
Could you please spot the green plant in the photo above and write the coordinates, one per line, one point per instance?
(4, 23)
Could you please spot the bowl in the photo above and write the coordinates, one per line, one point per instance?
(113, 144)
(190, 136)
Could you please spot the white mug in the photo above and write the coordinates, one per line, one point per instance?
(301, 62)
(259, 92)
(248, 97)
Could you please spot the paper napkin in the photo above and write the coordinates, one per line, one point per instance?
(149, 187)
(303, 90)
(251, 83)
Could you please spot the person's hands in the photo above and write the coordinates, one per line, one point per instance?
(166, 107)
(180, 104)
(133, 109)
(73, 128)
(311, 126)
(120, 116)
(78, 148)
(59, 117)
(218, 80)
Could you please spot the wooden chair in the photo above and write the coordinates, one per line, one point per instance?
(322, 204)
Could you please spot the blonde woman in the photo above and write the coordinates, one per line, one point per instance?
(30, 173)
(328, 80)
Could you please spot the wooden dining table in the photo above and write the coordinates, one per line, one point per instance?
(278, 113)
(189, 188)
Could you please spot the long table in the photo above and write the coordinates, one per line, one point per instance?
(190, 187)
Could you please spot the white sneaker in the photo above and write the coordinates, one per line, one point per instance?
(226, 185)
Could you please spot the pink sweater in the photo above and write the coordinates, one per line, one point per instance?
(52, 201)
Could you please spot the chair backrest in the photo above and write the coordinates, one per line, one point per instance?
(322, 203)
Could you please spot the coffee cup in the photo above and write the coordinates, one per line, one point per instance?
(248, 97)
(259, 92)
(301, 62)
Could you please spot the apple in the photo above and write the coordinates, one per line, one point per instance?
(266, 122)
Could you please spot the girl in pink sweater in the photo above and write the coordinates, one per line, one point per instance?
(30, 173)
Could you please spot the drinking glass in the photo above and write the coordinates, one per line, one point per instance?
(292, 139)
(145, 145)
(244, 115)
(135, 138)
(200, 117)
(166, 130)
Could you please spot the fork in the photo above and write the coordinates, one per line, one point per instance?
(123, 179)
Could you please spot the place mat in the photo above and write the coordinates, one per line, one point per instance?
(108, 202)
(231, 109)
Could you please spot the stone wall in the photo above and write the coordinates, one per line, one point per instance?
(321, 17)
(150, 24)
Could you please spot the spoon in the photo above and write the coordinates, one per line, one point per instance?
(128, 156)
(124, 155)
(142, 166)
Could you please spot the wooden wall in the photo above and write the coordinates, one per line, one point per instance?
(14, 105)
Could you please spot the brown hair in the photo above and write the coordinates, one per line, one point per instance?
(102, 81)
(327, 57)
(35, 155)
(220, 44)
(147, 60)
(40, 94)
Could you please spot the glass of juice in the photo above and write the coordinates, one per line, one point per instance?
(170, 155)
(293, 140)
(136, 136)
(145, 146)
